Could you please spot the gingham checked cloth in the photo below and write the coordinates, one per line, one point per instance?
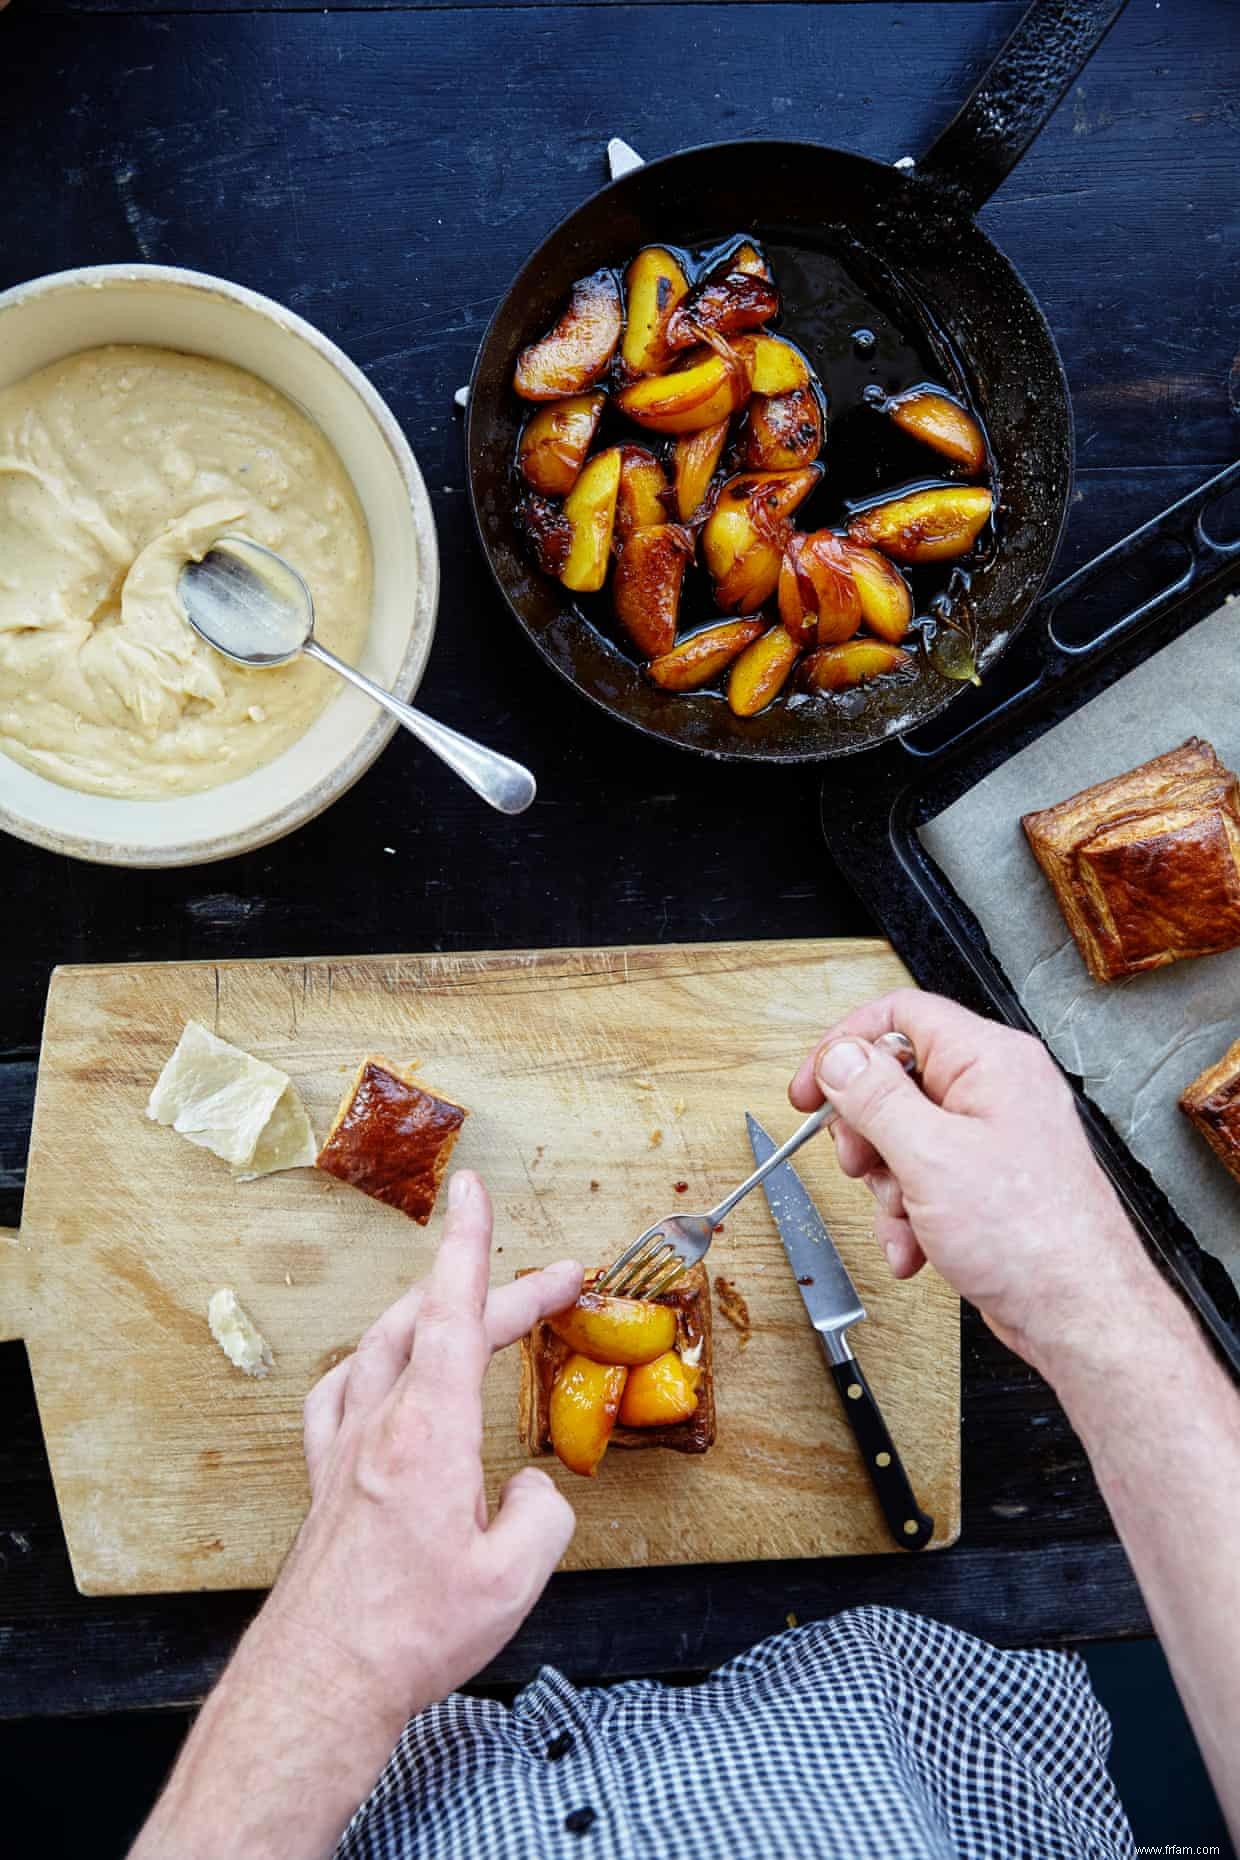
(873, 1736)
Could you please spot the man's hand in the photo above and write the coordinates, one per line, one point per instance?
(982, 1168)
(399, 1586)
(397, 1562)
(985, 1171)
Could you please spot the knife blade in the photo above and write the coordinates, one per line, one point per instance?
(834, 1306)
(830, 1296)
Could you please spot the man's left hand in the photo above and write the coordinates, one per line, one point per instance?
(400, 1585)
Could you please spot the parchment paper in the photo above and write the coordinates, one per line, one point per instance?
(1136, 1043)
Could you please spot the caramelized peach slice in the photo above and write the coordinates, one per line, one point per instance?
(616, 1330)
(925, 526)
(761, 672)
(748, 258)
(704, 655)
(590, 511)
(697, 458)
(783, 431)
(585, 1401)
(743, 538)
(731, 301)
(660, 1393)
(773, 365)
(818, 598)
(942, 423)
(886, 603)
(642, 485)
(572, 356)
(655, 287)
(705, 392)
(835, 668)
(555, 442)
(797, 595)
(645, 588)
(547, 530)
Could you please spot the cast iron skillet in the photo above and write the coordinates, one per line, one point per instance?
(927, 273)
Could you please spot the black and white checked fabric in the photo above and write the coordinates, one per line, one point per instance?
(875, 1736)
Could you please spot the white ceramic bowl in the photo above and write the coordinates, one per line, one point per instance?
(71, 310)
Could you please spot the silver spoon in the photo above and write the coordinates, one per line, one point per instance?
(253, 606)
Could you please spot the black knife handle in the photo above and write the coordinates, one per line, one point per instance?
(908, 1524)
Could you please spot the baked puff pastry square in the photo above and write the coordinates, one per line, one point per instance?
(392, 1139)
(1212, 1104)
(543, 1355)
(1146, 866)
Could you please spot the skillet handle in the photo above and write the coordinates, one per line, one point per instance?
(1016, 97)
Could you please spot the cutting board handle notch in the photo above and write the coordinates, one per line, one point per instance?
(14, 1286)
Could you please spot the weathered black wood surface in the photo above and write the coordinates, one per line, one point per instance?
(384, 170)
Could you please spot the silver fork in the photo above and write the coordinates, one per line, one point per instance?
(657, 1258)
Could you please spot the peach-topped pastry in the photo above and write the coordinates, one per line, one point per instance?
(624, 1372)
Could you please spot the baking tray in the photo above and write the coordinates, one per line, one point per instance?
(1085, 633)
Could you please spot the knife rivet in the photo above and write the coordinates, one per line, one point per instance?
(882, 1459)
(854, 1391)
(910, 1527)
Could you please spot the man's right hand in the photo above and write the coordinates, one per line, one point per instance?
(982, 1167)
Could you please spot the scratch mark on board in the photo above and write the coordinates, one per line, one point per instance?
(145, 227)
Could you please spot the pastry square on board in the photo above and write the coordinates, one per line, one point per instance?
(392, 1139)
(1146, 866)
(1212, 1104)
(543, 1353)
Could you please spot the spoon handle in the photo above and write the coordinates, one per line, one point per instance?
(502, 782)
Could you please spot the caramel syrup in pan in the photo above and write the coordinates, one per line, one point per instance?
(866, 339)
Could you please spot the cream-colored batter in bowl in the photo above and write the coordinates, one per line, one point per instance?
(143, 411)
(116, 466)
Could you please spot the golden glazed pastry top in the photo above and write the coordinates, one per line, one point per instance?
(1212, 1103)
(392, 1139)
(1146, 866)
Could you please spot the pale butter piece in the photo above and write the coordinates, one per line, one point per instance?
(691, 1356)
(241, 1109)
(237, 1335)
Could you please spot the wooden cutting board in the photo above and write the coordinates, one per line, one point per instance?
(598, 1080)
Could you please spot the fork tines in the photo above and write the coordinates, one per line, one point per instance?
(644, 1269)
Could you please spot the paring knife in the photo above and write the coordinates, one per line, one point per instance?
(834, 1307)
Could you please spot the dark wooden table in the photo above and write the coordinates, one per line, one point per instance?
(384, 169)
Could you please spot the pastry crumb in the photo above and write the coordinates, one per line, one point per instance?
(237, 1335)
(790, 1620)
(594, 1188)
(656, 1138)
(288, 1278)
(679, 1108)
(644, 1084)
(733, 1306)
